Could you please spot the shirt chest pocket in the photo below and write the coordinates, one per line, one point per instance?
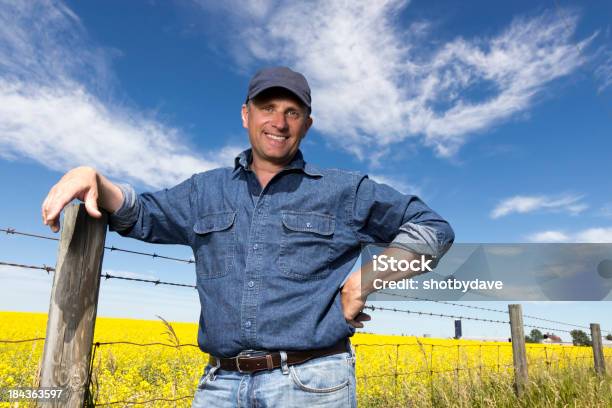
(305, 247)
(215, 244)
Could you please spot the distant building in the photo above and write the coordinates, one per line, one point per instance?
(551, 338)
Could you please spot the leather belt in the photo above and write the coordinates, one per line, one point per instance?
(271, 360)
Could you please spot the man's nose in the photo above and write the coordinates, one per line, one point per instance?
(279, 121)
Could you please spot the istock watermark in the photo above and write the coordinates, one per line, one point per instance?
(488, 272)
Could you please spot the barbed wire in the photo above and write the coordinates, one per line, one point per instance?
(458, 317)
(156, 282)
(492, 368)
(44, 267)
(552, 346)
(105, 275)
(487, 309)
(393, 309)
(425, 343)
(125, 402)
(431, 371)
(23, 341)
(131, 343)
(371, 307)
(13, 231)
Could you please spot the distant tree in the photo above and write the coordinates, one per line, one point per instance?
(609, 336)
(580, 338)
(535, 336)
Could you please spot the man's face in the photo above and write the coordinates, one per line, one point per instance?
(276, 122)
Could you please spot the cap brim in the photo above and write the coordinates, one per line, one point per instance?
(273, 85)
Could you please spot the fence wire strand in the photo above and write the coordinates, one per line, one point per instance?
(487, 309)
(395, 373)
(370, 307)
(13, 231)
(103, 275)
(393, 309)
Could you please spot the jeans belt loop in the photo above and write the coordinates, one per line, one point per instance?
(211, 373)
(284, 365)
(352, 351)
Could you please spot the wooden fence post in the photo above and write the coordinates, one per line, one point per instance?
(73, 306)
(519, 353)
(598, 356)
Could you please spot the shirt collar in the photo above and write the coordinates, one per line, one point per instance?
(243, 160)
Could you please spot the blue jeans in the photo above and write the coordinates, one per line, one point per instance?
(322, 382)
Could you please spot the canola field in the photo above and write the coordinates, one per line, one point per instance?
(150, 360)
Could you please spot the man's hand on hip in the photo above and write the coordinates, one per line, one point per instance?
(353, 301)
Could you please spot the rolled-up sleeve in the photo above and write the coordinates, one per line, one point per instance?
(382, 214)
(163, 217)
(127, 214)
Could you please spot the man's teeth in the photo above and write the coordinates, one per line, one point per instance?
(280, 138)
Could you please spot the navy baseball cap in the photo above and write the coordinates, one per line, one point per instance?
(281, 77)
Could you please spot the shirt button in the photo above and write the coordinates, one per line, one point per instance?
(251, 284)
(255, 246)
(247, 324)
(308, 225)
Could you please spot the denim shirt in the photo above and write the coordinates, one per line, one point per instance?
(270, 262)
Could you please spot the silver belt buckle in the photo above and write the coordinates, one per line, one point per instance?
(238, 364)
(247, 354)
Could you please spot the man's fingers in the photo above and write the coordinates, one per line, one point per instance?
(45, 205)
(91, 204)
(43, 210)
(355, 324)
(54, 206)
(363, 317)
(80, 183)
(48, 215)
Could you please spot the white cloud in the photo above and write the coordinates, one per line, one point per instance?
(603, 71)
(590, 235)
(52, 107)
(524, 204)
(376, 83)
(549, 236)
(595, 235)
(606, 210)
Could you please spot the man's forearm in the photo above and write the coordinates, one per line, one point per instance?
(110, 195)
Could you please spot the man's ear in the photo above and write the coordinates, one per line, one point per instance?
(244, 113)
(307, 125)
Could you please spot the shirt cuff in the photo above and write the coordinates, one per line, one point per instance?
(420, 239)
(127, 214)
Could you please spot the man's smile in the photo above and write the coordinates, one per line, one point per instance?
(275, 137)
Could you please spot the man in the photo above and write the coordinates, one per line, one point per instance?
(274, 240)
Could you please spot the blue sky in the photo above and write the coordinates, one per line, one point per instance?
(498, 115)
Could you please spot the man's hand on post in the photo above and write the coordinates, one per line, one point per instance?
(85, 184)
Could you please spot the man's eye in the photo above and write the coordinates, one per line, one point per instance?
(268, 109)
(293, 114)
